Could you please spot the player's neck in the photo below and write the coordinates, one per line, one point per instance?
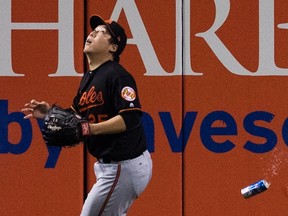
(95, 61)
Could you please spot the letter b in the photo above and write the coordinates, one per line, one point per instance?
(26, 130)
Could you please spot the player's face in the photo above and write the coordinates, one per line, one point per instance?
(98, 41)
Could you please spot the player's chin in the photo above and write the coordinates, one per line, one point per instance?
(86, 49)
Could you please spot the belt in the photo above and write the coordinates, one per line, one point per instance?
(107, 160)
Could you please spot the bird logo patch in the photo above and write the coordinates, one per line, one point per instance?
(128, 93)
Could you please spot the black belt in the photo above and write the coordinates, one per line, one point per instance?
(108, 160)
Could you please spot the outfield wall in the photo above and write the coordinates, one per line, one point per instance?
(212, 79)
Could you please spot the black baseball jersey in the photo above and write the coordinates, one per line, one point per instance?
(104, 93)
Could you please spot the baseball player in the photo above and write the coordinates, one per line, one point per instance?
(108, 98)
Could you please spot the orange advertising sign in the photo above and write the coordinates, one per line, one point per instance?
(211, 77)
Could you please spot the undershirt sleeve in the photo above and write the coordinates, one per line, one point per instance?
(132, 119)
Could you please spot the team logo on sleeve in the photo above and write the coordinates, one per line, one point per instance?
(128, 93)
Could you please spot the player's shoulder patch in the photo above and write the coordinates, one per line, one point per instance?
(128, 93)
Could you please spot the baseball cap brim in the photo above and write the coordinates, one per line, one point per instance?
(115, 29)
(97, 20)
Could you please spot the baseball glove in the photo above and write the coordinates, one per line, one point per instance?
(64, 128)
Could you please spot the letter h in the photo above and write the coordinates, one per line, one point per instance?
(65, 27)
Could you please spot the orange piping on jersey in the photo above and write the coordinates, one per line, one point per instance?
(131, 109)
(73, 109)
(88, 107)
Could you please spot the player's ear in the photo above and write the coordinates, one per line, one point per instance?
(113, 48)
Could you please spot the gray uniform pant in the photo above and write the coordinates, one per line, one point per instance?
(118, 185)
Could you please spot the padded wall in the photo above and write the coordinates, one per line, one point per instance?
(212, 79)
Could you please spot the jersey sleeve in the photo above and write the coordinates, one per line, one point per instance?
(125, 93)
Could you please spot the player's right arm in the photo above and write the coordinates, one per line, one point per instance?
(35, 109)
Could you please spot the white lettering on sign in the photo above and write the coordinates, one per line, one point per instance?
(267, 65)
(140, 38)
(65, 26)
(142, 41)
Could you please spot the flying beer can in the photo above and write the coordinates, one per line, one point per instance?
(254, 189)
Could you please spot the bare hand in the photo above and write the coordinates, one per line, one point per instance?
(35, 109)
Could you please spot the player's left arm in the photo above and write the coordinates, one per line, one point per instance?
(111, 126)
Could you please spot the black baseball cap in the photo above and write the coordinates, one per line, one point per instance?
(116, 31)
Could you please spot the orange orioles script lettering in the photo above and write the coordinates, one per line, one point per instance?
(91, 99)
